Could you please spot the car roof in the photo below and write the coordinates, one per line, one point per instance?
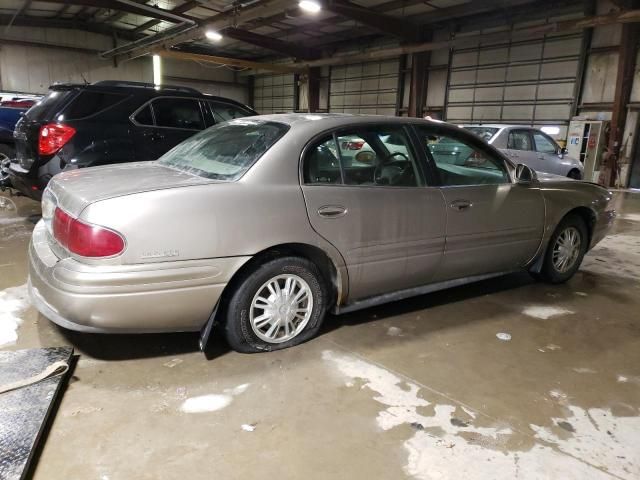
(498, 125)
(147, 90)
(331, 120)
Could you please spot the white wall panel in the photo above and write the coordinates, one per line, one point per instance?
(274, 93)
(517, 82)
(33, 68)
(600, 78)
(369, 88)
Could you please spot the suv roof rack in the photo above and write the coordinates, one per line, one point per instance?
(124, 83)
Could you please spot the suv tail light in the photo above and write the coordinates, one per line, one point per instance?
(353, 145)
(53, 136)
(85, 239)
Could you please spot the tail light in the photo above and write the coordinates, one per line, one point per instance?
(85, 239)
(53, 136)
(353, 145)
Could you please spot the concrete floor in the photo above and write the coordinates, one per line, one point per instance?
(419, 389)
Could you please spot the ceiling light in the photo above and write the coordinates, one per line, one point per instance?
(157, 70)
(213, 35)
(309, 6)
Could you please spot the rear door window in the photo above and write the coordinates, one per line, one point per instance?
(181, 113)
(371, 156)
(144, 116)
(519, 140)
(322, 165)
(88, 103)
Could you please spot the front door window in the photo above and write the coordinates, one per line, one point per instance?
(459, 162)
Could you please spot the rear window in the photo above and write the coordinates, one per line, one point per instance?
(89, 103)
(225, 151)
(485, 133)
(49, 105)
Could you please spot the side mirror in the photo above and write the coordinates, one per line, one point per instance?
(562, 152)
(525, 174)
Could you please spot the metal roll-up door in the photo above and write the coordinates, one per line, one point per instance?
(369, 88)
(523, 82)
(273, 93)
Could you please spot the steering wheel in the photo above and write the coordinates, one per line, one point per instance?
(389, 172)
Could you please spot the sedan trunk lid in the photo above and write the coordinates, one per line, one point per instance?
(75, 189)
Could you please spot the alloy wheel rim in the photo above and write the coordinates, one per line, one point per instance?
(281, 308)
(4, 166)
(566, 249)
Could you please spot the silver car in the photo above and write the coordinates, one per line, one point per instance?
(531, 147)
(259, 226)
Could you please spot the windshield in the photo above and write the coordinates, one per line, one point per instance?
(485, 133)
(225, 151)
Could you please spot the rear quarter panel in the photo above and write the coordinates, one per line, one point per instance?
(210, 221)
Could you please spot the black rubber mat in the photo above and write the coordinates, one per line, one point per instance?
(24, 412)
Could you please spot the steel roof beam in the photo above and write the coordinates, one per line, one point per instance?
(128, 7)
(274, 44)
(387, 24)
(52, 22)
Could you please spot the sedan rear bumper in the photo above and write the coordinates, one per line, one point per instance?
(157, 297)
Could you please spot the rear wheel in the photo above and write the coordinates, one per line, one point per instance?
(575, 174)
(565, 251)
(6, 154)
(276, 305)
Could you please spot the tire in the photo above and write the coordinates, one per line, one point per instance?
(575, 174)
(6, 153)
(554, 271)
(249, 328)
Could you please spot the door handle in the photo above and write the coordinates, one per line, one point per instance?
(332, 211)
(461, 205)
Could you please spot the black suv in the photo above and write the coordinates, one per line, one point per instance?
(78, 126)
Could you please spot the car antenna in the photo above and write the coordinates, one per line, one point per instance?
(84, 79)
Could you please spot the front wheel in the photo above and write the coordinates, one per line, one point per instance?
(276, 305)
(565, 251)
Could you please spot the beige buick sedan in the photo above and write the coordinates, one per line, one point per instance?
(263, 224)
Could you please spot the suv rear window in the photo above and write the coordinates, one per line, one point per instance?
(225, 151)
(89, 103)
(48, 106)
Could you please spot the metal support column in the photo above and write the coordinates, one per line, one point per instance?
(313, 89)
(624, 82)
(418, 84)
(589, 10)
(296, 92)
(402, 68)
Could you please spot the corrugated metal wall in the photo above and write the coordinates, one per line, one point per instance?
(273, 93)
(33, 68)
(530, 81)
(370, 88)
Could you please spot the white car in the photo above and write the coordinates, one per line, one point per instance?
(530, 146)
